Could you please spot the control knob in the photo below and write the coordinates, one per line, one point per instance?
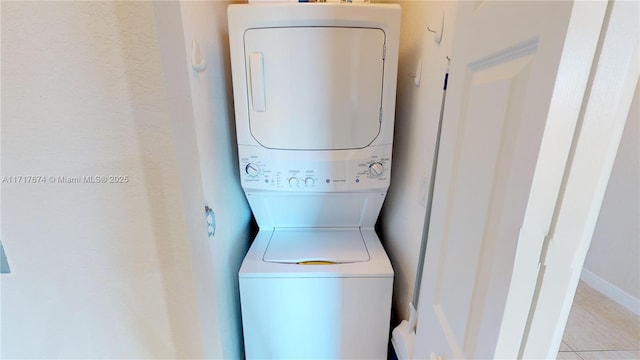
(376, 169)
(293, 181)
(252, 169)
(309, 181)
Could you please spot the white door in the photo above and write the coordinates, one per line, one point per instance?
(511, 81)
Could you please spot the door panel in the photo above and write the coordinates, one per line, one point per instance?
(482, 163)
(336, 80)
(504, 64)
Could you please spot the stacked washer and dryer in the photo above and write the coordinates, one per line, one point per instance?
(314, 87)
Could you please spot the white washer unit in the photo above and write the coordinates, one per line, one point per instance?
(314, 88)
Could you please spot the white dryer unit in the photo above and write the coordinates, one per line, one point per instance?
(314, 89)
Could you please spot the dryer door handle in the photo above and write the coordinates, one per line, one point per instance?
(256, 71)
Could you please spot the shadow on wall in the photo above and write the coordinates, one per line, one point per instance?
(149, 110)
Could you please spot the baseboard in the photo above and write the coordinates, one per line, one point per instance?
(611, 291)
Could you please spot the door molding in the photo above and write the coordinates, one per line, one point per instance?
(614, 80)
(578, 52)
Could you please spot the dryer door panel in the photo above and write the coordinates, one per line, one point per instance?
(314, 88)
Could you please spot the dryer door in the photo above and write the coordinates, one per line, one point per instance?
(314, 88)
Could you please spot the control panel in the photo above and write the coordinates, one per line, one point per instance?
(316, 171)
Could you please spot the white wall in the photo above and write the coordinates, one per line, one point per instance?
(417, 113)
(212, 99)
(612, 264)
(105, 270)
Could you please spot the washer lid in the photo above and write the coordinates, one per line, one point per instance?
(294, 246)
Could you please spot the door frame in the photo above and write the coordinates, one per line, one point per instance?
(613, 82)
(572, 84)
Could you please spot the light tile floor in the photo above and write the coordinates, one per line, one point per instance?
(599, 328)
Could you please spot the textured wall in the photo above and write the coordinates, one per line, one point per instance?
(98, 270)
